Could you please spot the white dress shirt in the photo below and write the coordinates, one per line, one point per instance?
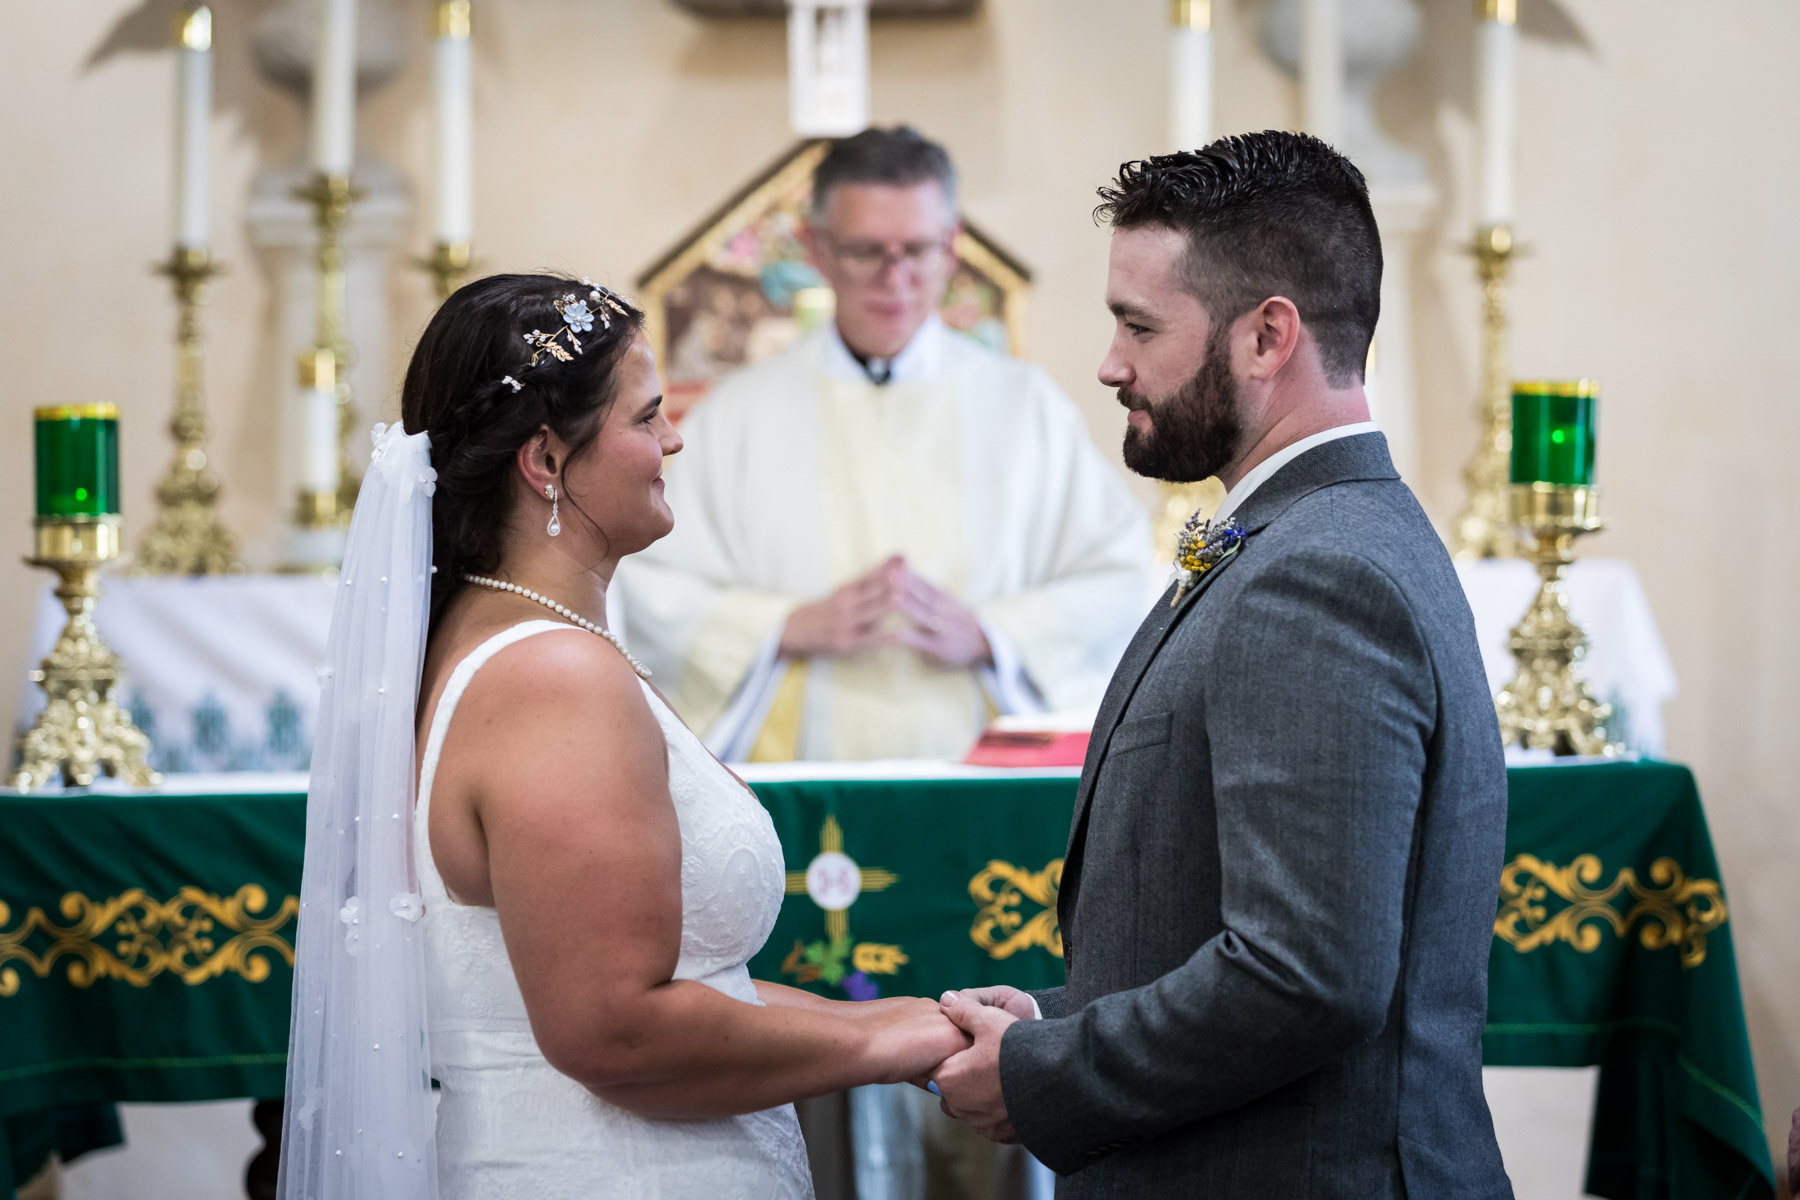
(1264, 470)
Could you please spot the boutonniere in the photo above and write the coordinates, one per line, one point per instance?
(1201, 547)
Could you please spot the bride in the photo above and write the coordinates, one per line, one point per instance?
(557, 930)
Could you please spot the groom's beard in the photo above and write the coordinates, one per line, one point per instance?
(1194, 433)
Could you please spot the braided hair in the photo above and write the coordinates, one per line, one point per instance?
(473, 387)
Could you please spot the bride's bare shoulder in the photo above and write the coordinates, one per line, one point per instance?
(556, 681)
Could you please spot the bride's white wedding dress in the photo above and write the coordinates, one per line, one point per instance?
(511, 1125)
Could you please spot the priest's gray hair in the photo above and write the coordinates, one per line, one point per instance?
(898, 157)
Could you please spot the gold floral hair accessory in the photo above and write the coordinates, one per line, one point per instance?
(578, 317)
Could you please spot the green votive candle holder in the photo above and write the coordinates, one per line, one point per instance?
(1553, 432)
(77, 461)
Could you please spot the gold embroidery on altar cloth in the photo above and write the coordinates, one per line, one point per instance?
(1677, 911)
(999, 927)
(135, 938)
(835, 887)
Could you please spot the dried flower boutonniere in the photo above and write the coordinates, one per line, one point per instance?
(1203, 546)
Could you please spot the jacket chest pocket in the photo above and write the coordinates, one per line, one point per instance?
(1141, 732)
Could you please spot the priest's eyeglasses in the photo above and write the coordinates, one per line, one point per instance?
(865, 262)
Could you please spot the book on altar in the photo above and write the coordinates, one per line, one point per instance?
(1034, 740)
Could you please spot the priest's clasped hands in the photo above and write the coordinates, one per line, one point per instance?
(891, 605)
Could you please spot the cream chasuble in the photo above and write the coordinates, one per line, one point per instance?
(800, 475)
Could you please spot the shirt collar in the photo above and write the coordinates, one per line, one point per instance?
(1265, 470)
(918, 359)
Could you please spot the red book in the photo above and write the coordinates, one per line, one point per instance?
(1029, 748)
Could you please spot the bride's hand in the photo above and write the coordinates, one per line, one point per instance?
(908, 1037)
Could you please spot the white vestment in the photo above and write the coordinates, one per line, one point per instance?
(801, 475)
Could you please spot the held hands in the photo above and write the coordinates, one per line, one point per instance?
(1000, 996)
(856, 617)
(969, 1083)
(908, 1037)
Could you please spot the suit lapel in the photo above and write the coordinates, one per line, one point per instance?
(1138, 656)
(1150, 638)
(1359, 457)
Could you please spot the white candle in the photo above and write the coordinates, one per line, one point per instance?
(319, 439)
(1498, 38)
(193, 117)
(455, 119)
(1191, 75)
(1322, 70)
(334, 89)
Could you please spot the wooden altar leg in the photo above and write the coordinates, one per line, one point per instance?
(264, 1171)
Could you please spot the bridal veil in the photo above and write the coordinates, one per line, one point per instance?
(360, 1122)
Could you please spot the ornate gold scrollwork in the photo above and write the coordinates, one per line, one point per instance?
(154, 937)
(999, 927)
(878, 958)
(1677, 911)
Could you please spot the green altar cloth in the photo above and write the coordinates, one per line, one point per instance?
(1613, 947)
(146, 943)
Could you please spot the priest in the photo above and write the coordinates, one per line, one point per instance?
(889, 533)
(885, 536)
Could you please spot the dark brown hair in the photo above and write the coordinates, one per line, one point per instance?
(455, 391)
(1267, 214)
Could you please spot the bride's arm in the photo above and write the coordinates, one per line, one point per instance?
(583, 853)
(781, 995)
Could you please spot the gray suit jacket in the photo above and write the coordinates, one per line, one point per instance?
(1280, 886)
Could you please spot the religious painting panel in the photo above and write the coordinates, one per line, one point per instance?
(739, 289)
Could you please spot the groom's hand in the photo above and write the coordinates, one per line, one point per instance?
(1007, 999)
(969, 1083)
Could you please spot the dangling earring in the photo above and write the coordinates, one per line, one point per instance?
(555, 525)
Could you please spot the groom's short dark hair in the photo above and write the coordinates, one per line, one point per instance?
(1267, 214)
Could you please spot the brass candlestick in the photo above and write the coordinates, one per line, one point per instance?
(326, 367)
(1547, 706)
(1482, 529)
(449, 266)
(82, 731)
(187, 537)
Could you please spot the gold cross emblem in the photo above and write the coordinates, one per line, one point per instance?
(833, 880)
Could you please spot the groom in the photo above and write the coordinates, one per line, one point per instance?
(1280, 884)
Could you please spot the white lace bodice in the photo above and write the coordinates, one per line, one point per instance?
(509, 1124)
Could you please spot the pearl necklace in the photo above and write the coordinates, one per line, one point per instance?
(502, 586)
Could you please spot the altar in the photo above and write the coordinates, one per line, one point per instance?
(146, 941)
(222, 671)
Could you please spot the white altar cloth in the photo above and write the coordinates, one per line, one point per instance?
(222, 672)
(1627, 663)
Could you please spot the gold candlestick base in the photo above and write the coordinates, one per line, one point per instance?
(187, 537)
(82, 731)
(1482, 529)
(1547, 706)
(321, 510)
(449, 266)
